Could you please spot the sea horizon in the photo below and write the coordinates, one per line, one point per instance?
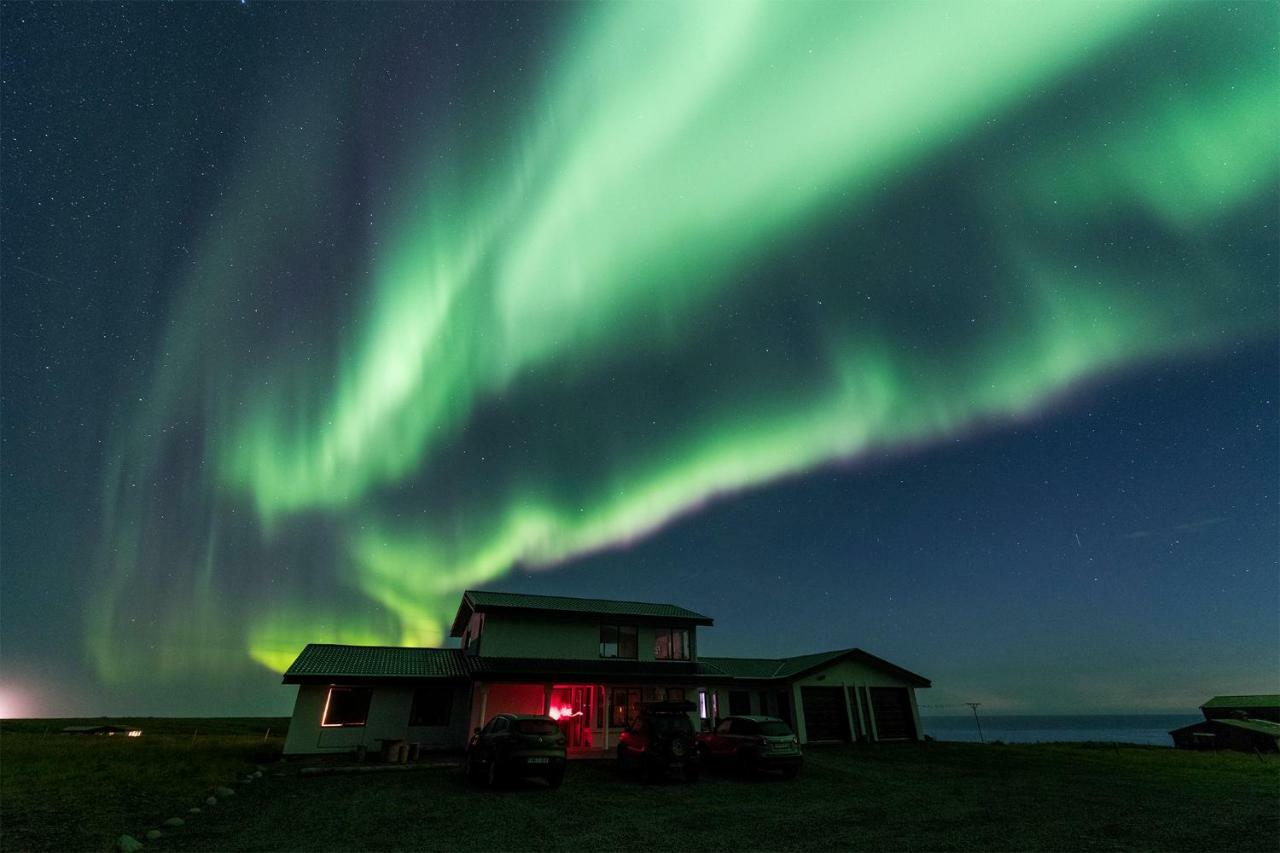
(1144, 729)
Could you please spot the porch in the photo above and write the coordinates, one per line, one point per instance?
(590, 715)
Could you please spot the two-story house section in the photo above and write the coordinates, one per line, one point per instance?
(589, 663)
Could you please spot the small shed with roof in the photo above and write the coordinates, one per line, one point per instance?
(1249, 723)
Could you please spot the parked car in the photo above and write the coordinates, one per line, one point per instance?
(659, 740)
(752, 744)
(515, 746)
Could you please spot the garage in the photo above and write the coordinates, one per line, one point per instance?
(824, 713)
(892, 707)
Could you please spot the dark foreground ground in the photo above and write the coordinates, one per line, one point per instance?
(888, 797)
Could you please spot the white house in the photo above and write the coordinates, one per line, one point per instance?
(590, 663)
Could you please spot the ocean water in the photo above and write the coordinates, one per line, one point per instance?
(1150, 729)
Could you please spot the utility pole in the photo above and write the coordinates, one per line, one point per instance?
(974, 706)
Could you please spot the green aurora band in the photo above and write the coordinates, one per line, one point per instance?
(724, 243)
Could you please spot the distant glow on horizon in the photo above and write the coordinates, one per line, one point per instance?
(584, 344)
(16, 702)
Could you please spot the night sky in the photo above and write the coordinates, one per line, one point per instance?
(948, 331)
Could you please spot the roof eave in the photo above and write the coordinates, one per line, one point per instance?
(459, 621)
(706, 621)
(338, 678)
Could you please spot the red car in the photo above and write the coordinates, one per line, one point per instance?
(753, 743)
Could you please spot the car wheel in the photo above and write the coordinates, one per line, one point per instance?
(556, 778)
(469, 768)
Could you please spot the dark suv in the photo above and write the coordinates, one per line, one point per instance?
(514, 746)
(659, 740)
(753, 743)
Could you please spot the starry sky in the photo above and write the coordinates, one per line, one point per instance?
(946, 331)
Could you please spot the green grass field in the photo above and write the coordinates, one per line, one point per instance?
(888, 797)
(82, 792)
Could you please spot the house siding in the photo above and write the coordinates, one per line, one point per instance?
(389, 710)
(845, 674)
(516, 635)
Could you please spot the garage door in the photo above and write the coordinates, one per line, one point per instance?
(892, 707)
(824, 714)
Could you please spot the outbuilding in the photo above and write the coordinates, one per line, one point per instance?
(1243, 735)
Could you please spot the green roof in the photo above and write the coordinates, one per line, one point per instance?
(1257, 700)
(756, 669)
(322, 660)
(477, 600)
(1267, 728)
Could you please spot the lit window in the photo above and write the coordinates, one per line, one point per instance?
(432, 706)
(671, 644)
(618, 641)
(625, 707)
(346, 706)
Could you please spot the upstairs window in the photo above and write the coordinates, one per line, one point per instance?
(346, 706)
(432, 706)
(619, 641)
(671, 644)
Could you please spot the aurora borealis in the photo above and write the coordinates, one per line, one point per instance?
(413, 299)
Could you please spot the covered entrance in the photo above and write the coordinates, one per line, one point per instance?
(572, 707)
(824, 713)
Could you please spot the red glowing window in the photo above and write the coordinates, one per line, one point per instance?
(346, 706)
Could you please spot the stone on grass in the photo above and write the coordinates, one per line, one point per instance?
(211, 801)
(153, 834)
(193, 810)
(222, 791)
(129, 844)
(257, 774)
(174, 821)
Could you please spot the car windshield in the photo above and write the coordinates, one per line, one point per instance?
(774, 728)
(535, 727)
(666, 724)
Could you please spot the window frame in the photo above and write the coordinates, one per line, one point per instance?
(670, 634)
(436, 719)
(351, 689)
(632, 698)
(619, 630)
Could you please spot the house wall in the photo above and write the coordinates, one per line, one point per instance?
(532, 635)
(849, 673)
(843, 674)
(389, 710)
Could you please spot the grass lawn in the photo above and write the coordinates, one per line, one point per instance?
(64, 793)
(82, 792)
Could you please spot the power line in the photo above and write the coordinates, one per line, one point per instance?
(974, 706)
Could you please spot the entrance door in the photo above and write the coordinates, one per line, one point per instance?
(571, 707)
(892, 707)
(824, 714)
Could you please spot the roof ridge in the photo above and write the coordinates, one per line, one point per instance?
(575, 597)
(364, 646)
